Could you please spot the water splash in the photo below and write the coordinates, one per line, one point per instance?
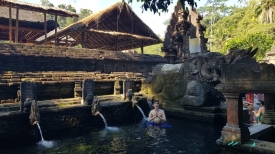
(144, 117)
(40, 131)
(46, 144)
(112, 128)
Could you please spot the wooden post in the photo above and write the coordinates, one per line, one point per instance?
(82, 40)
(45, 28)
(10, 26)
(142, 52)
(66, 44)
(17, 25)
(117, 31)
(116, 44)
(55, 30)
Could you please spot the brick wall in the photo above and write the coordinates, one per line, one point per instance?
(51, 66)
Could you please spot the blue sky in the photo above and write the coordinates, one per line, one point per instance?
(154, 21)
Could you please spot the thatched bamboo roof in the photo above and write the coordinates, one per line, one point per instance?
(31, 24)
(37, 8)
(101, 30)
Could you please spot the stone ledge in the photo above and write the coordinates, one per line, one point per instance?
(269, 147)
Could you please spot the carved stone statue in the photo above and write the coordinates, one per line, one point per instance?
(34, 115)
(95, 106)
(129, 94)
(89, 99)
(192, 82)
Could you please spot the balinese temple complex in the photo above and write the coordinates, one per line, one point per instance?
(48, 80)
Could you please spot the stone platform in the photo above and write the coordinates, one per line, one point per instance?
(262, 141)
(215, 115)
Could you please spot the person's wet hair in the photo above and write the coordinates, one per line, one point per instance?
(156, 101)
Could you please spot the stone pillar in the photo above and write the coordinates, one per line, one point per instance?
(87, 91)
(116, 88)
(126, 86)
(269, 115)
(77, 89)
(234, 130)
(27, 90)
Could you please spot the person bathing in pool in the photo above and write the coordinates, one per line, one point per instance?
(156, 115)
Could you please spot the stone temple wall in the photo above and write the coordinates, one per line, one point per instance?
(59, 71)
(16, 129)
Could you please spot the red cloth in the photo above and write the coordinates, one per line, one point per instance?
(250, 97)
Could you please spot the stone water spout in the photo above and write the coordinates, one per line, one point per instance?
(96, 106)
(129, 94)
(34, 113)
(89, 99)
(135, 100)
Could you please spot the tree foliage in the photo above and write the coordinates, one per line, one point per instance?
(242, 29)
(158, 6)
(264, 9)
(260, 41)
(66, 21)
(215, 11)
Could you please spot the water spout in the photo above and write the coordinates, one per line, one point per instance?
(144, 117)
(34, 114)
(40, 131)
(96, 106)
(106, 125)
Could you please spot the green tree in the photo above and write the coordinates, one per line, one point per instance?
(49, 4)
(214, 11)
(158, 6)
(65, 21)
(260, 41)
(84, 13)
(264, 9)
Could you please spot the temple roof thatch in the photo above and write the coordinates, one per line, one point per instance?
(101, 30)
(31, 24)
(37, 8)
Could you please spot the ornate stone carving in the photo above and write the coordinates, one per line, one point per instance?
(95, 106)
(192, 82)
(87, 92)
(34, 115)
(176, 42)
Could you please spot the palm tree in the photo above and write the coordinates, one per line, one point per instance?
(264, 9)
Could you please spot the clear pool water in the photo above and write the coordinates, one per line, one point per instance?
(185, 136)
